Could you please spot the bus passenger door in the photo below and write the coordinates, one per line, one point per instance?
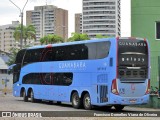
(64, 80)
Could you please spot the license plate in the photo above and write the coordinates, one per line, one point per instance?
(132, 101)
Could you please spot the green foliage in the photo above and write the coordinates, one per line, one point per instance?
(50, 39)
(101, 36)
(29, 32)
(12, 56)
(78, 37)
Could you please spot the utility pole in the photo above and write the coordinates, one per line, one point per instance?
(21, 15)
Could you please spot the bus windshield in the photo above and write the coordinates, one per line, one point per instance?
(132, 58)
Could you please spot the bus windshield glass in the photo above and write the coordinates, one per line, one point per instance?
(132, 58)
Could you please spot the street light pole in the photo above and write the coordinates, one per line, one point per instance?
(21, 15)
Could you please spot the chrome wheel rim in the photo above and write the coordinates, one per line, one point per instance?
(87, 102)
(75, 100)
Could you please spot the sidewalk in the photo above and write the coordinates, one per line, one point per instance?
(7, 92)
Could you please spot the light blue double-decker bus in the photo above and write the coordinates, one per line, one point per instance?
(103, 72)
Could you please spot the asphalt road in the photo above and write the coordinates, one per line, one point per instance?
(11, 103)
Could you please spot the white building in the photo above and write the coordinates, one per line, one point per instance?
(7, 40)
(101, 17)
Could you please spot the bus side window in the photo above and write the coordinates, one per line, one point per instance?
(102, 50)
(64, 79)
(84, 52)
(32, 55)
(55, 79)
(47, 78)
(59, 54)
(15, 77)
(67, 79)
(91, 50)
(19, 56)
(47, 55)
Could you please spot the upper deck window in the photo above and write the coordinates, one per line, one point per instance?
(87, 51)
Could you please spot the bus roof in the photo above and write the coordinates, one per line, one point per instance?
(71, 43)
(84, 41)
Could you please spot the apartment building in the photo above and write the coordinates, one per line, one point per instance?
(48, 19)
(101, 17)
(7, 40)
(78, 22)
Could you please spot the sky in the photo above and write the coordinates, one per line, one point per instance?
(9, 13)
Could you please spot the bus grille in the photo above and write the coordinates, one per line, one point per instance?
(103, 93)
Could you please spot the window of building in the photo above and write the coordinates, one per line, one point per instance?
(157, 25)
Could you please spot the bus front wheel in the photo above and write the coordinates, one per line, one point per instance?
(76, 102)
(25, 98)
(87, 102)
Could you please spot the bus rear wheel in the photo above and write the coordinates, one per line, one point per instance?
(87, 102)
(32, 96)
(25, 98)
(76, 101)
(119, 107)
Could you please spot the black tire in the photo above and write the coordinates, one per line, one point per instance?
(119, 107)
(76, 101)
(87, 102)
(25, 98)
(32, 96)
(106, 108)
(59, 102)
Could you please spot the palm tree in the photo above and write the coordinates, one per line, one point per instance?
(56, 39)
(50, 39)
(29, 32)
(78, 37)
(12, 56)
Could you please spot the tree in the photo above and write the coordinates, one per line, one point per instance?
(29, 32)
(101, 36)
(50, 39)
(78, 37)
(12, 56)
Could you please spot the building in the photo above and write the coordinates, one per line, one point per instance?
(7, 40)
(101, 17)
(78, 23)
(145, 23)
(48, 19)
(3, 71)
